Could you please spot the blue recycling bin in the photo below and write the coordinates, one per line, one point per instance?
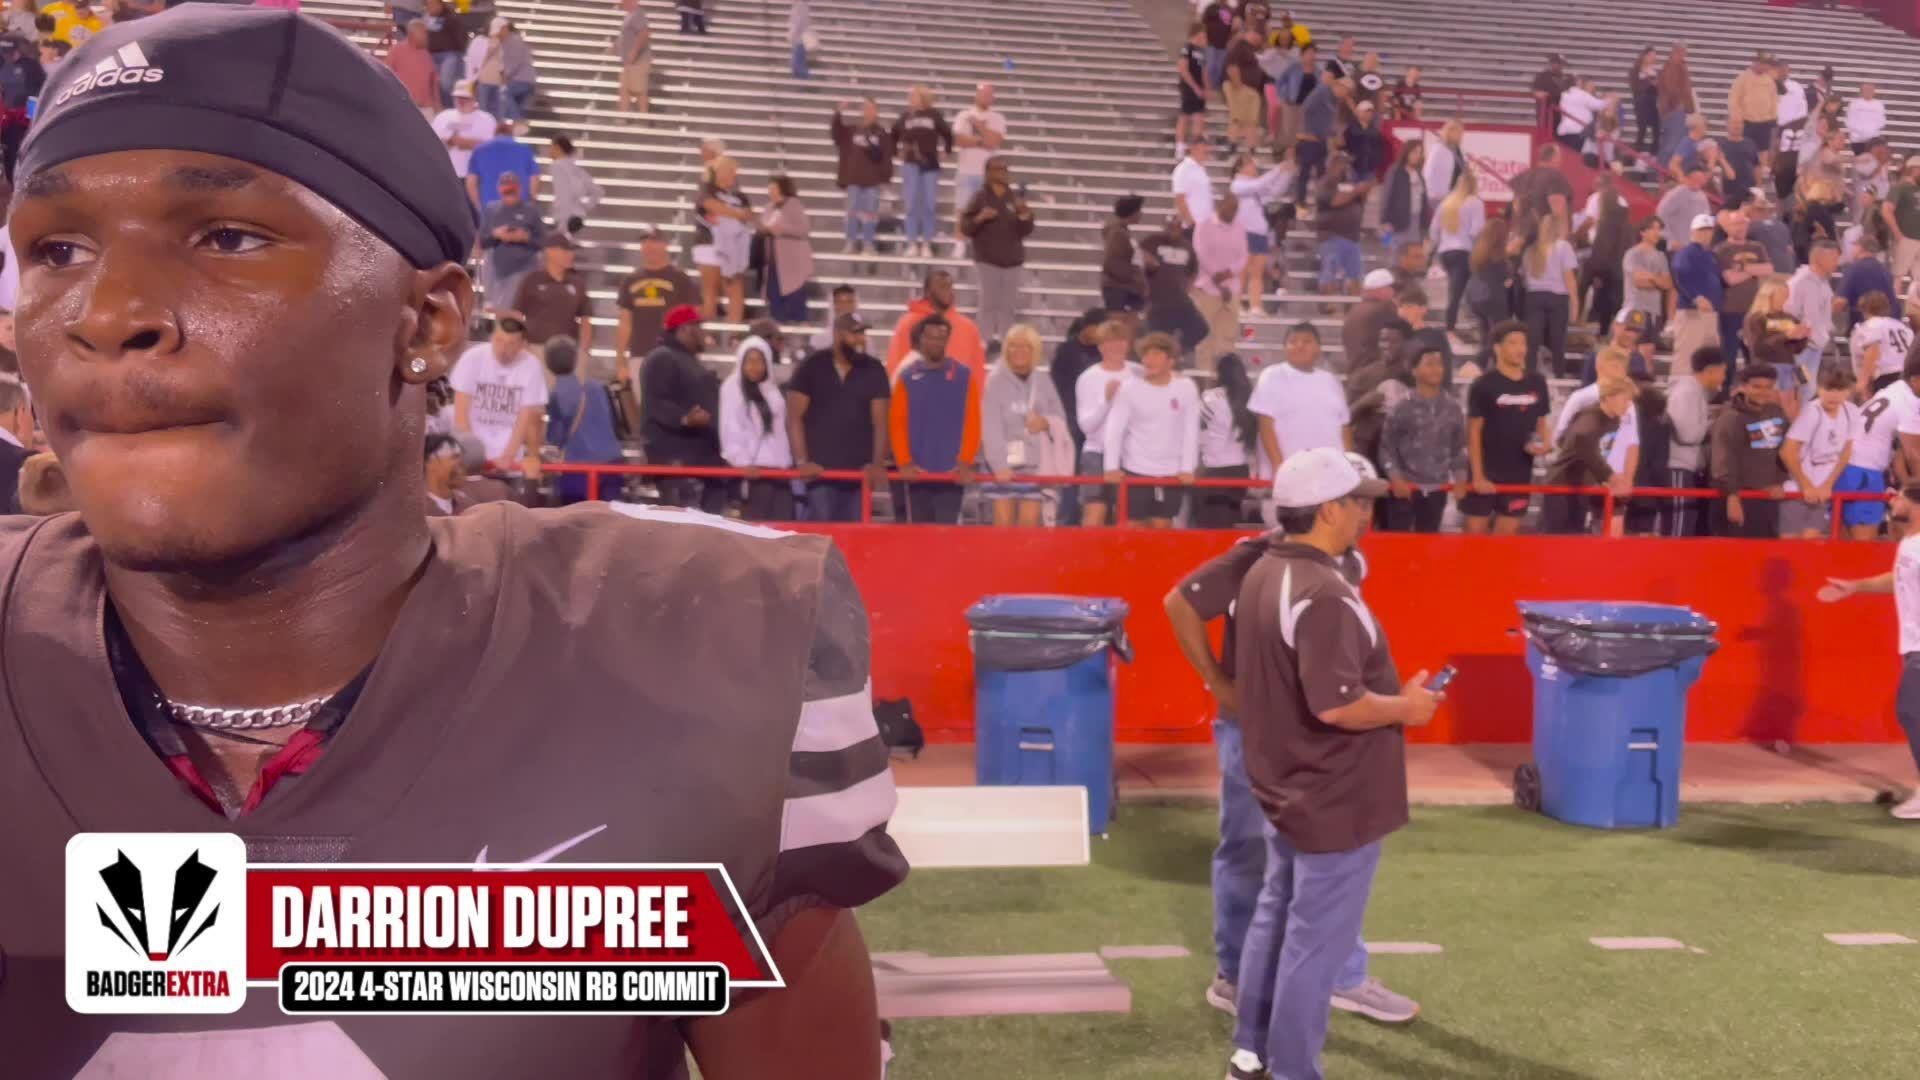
(1043, 693)
(1610, 686)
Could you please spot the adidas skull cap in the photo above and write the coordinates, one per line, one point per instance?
(272, 88)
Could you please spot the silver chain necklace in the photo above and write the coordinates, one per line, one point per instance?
(213, 718)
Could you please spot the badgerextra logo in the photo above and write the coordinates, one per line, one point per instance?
(122, 67)
(156, 922)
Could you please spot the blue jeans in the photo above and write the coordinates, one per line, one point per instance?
(507, 103)
(1216, 67)
(1339, 261)
(863, 214)
(1240, 862)
(833, 500)
(452, 66)
(1673, 135)
(1310, 906)
(788, 307)
(799, 61)
(921, 186)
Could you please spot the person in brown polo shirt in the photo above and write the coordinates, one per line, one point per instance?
(1240, 859)
(1322, 714)
(554, 299)
(646, 296)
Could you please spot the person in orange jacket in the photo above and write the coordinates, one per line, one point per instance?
(935, 423)
(965, 343)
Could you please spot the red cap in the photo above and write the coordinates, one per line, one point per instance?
(680, 316)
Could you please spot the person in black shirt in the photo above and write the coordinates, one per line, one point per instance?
(1506, 426)
(1218, 20)
(1192, 70)
(1548, 85)
(16, 429)
(837, 419)
(680, 400)
(1170, 265)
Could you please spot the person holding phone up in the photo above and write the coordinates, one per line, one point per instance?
(1323, 715)
(998, 221)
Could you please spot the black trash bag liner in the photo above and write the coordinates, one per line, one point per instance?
(1045, 633)
(1617, 639)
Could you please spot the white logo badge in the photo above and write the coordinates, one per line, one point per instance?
(156, 923)
(125, 66)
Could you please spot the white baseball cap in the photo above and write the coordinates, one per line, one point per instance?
(463, 89)
(1321, 475)
(1704, 221)
(1377, 279)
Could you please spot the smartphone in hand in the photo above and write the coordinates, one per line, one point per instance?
(1440, 679)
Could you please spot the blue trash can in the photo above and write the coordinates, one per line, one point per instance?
(1610, 686)
(1043, 693)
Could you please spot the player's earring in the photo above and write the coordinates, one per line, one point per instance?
(417, 365)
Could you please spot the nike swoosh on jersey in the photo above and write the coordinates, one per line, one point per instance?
(548, 855)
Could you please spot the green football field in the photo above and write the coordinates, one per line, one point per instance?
(1518, 992)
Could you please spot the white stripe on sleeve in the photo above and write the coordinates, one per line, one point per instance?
(836, 723)
(838, 818)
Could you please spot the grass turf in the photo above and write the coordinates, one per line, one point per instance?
(1519, 991)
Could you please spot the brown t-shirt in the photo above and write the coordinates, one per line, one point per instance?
(552, 306)
(1213, 589)
(1307, 646)
(552, 671)
(1742, 256)
(646, 295)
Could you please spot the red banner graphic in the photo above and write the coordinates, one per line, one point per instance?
(425, 915)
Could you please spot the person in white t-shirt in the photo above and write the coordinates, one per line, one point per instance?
(1192, 187)
(499, 394)
(1818, 445)
(1093, 394)
(1229, 435)
(1153, 430)
(464, 126)
(979, 133)
(1299, 405)
(1893, 411)
(1879, 345)
(1903, 581)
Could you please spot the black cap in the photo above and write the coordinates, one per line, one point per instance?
(558, 238)
(282, 91)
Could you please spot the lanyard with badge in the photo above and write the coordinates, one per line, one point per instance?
(1017, 448)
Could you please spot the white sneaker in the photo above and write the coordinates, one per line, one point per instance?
(1909, 810)
(1373, 1000)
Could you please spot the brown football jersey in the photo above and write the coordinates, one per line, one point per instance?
(617, 684)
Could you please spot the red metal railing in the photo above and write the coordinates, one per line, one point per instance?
(1608, 498)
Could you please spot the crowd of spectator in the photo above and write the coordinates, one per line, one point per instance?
(1773, 264)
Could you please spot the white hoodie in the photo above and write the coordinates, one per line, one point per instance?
(745, 440)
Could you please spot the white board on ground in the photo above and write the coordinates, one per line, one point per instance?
(1629, 944)
(990, 826)
(1402, 948)
(1870, 939)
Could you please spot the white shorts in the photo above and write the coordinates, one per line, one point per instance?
(705, 255)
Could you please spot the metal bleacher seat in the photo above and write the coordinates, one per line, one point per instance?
(1087, 90)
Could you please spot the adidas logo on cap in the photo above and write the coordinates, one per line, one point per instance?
(124, 66)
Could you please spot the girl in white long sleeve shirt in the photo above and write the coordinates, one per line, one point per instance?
(753, 434)
(1256, 191)
(1153, 430)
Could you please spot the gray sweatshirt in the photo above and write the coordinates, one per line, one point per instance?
(1691, 417)
(1004, 407)
(1425, 440)
(575, 194)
